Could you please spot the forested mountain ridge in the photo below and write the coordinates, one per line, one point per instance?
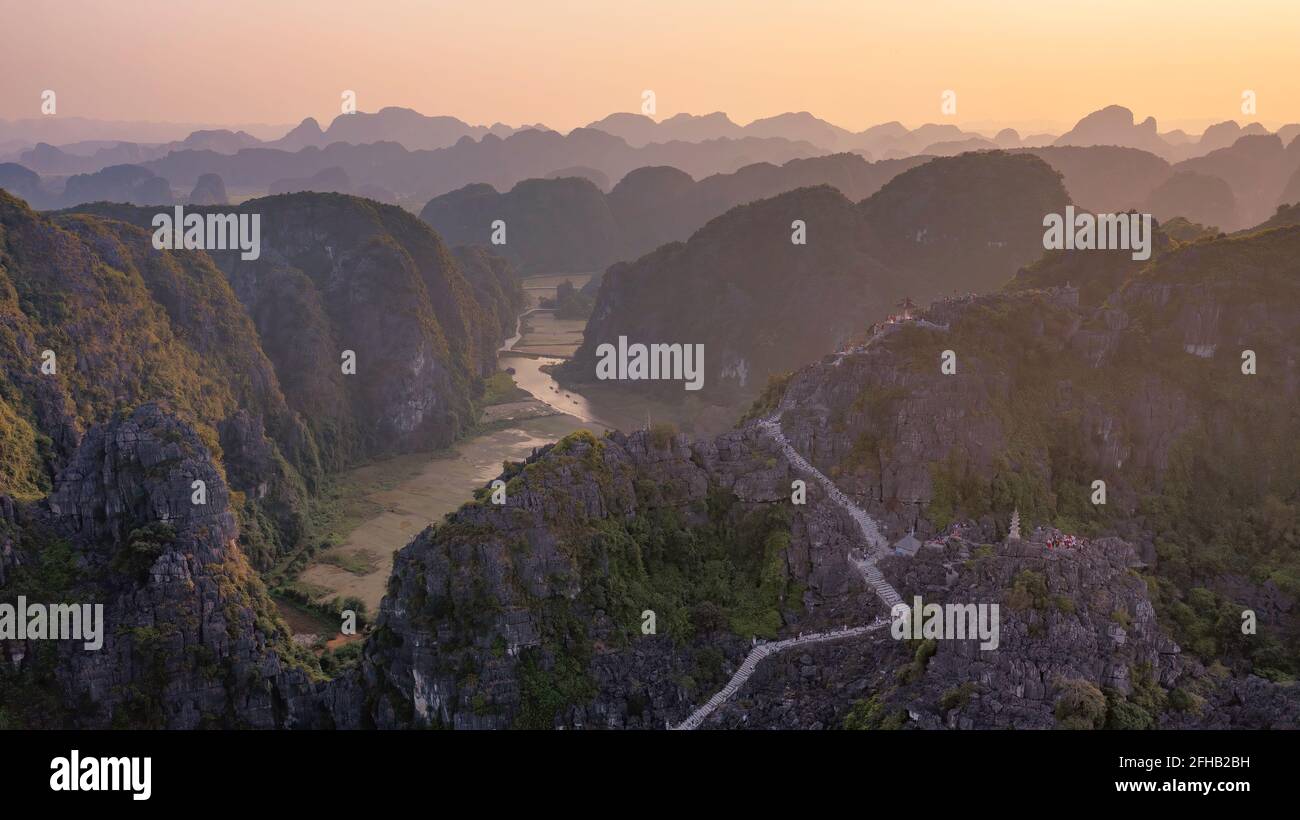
(250, 352)
(761, 303)
(537, 605)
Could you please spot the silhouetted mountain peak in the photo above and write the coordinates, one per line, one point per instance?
(308, 126)
(892, 129)
(657, 177)
(717, 117)
(1007, 138)
(1115, 125)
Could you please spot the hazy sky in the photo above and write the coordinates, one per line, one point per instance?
(1027, 63)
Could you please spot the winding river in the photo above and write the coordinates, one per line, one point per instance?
(402, 496)
(422, 489)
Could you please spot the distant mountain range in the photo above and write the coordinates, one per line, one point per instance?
(761, 303)
(409, 128)
(68, 145)
(79, 148)
(388, 172)
(92, 155)
(1231, 187)
(1113, 125)
(416, 176)
(566, 225)
(1230, 177)
(62, 129)
(890, 140)
(570, 225)
(1116, 125)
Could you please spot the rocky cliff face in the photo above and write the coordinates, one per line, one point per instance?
(1157, 361)
(97, 480)
(533, 613)
(1067, 615)
(1080, 646)
(336, 274)
(190, 638)
(96, 320)
(1146, 391)
(372, 280)
(496, 285)
(526, 614)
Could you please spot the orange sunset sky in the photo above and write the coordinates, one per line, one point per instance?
(1030, 64)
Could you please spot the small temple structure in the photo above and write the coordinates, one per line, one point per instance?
(909, 545)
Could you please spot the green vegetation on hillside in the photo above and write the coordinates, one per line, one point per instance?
(1212, 481)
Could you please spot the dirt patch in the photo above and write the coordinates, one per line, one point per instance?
(543, 287)
(357, 562)
(440, 486)
(340, 640)
(517, 411)
(545, 335)
(303, 621)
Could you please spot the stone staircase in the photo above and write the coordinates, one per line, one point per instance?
(875, 542)
(755, 657)
(875, 545)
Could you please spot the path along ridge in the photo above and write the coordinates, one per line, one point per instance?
(864, 564)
